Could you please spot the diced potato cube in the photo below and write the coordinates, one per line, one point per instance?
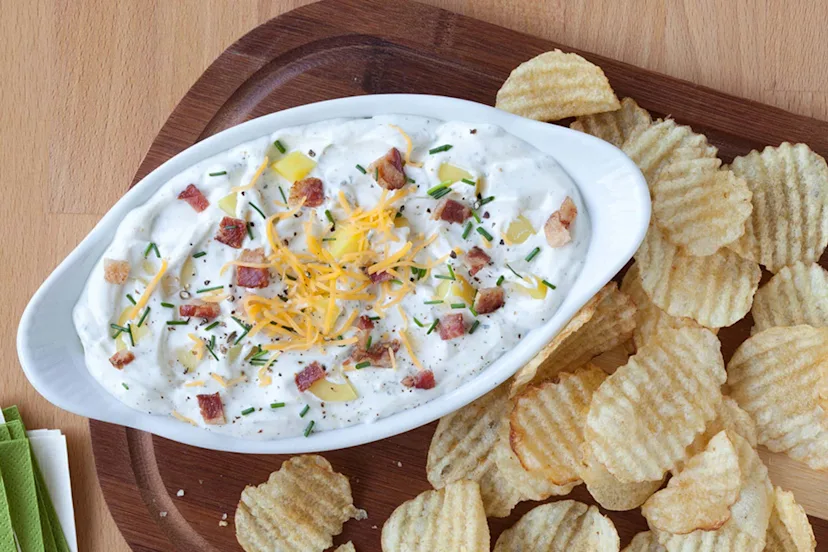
(333, 392)
(536, 288)
(187, 359)
(451, 173)
(459, 288)
(519, 230)
(123, 341)
(294, 166)
(346, 240)
(233, 353)
(228, 204)
(187, 272)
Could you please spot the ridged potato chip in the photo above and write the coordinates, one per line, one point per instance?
(644, 416)
(347, 547)
(451, 518)
(649, 319)
(715, 291)
(789, 222)
(797, 294)
(750, 514)
(654, 147)
(565, 526)
(461, 448)
(556, 85)
(701, 495)
(789, 529)
(301, 507)
(606, 321)
(645, 542)
(547, 423)
(775, 377)
(615, 126)
(697, 206)
(730, 417)
(607, 490)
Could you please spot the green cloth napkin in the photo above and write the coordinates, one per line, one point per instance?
(6, 530)
(21, 493)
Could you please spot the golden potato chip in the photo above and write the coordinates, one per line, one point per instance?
(789, 222)
(565, 526)
(615, 126)
(654, 147)
(530, 485)
(347, 547)
(606, 321)
(609, 361)
(461, 448)
(451, 518)
(745, 530)
(715, 291)
(789, 529)
(698, 207)
(775, 377)
(556, 85)
(644, 416)
(701, 495)
(644, 542)
(300, 508)
(547, 423)
(797, 294)
(607, 490)
(649, 319)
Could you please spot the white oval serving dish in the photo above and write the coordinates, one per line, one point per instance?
(614, 192)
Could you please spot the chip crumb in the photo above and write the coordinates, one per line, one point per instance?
(201, 482)
(162, 514)
(399, 464)
(224, 516)
(180, 492)
(222, 523)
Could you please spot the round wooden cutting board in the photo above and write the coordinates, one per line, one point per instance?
(342, 48)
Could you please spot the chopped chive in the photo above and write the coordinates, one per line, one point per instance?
(434, 302)
(443, 277)
(143, 317)
(411, 180)
(458, 305)
(433, 325)
(247, 411)
(451, 272)
(131, 337)
(178, 322)
(242, 336)
(395, 281)
(482, 232)
(240, 323)
(443, 192)
(210, 347)
(547, 284)
(500, 280)
(277, 405)
(474, 312)
(279, 146)
(199, 254)
(125, 386)
(376, 174)
(309, 428)
(291, 278)
(362, 365)
(230, 227)
(131, 299)
(438, 149)
(467, 231)
(120, 330)
(168, 305)
(368, 343)
(328, 239)
(304, 411)
(474, 326)
(220, 173)
(513, 271)
(374, 318)
(152, 247)
(435, 189)
(330, 218)
(360, 168)
(398, 215)
(211, 326)
(469, 182)
(249, 231)
(258, 210)
(205, 290)
(484, 201)
(282, 193)
(533, 254)
(476, 217)
(420, 324)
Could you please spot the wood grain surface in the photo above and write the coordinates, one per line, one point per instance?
(88, 84)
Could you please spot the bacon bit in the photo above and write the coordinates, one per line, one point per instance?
(379, 277)
(212, 409)
(421, 380)
(378, 354)
(557, 226)
(232, 232)
(194, 197)
(451, 326)
(116, 272)
(199, 310)
(309, 189)
(312, 373)
(488, 300)
(121, 359)
(476, 259)
(365, 323)
(389, 170)
(450, 210)
(252, 277)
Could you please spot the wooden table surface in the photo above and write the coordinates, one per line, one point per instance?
(88, 84)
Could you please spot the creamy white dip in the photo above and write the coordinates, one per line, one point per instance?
(521, 180)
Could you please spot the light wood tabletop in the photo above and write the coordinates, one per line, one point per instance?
(88, 84)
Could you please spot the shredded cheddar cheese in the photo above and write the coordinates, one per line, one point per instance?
(198, 347)
(409, 146)
(194, 383)
(142, 301)
(407, 344)
(183, 418)
(253, 180)
(221, 381)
